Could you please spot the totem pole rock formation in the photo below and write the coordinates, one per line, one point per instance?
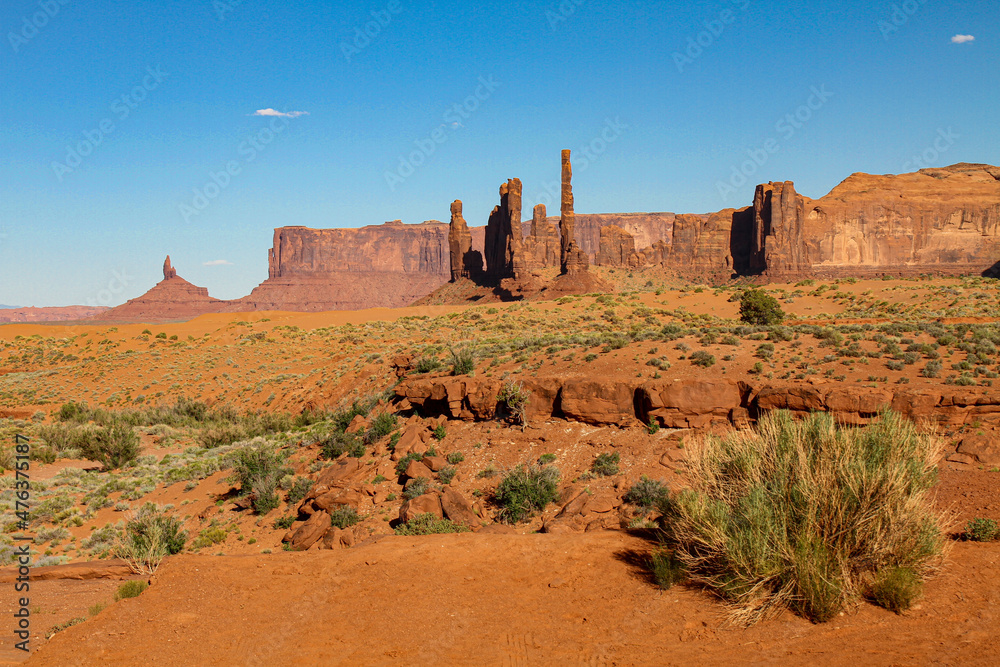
(572, 259)
(168, 270)
(465, 262)
(504, 245)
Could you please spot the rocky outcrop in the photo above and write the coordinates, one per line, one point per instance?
(694, 403)
(465, 262)
(541, 245)
(617, 249)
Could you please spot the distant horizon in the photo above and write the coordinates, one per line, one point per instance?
(196, 128)
(524, 220)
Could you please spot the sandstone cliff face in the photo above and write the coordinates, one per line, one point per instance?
(541, 245)
(387, 265)
(392, 247)
(617, 248)
(933, 221)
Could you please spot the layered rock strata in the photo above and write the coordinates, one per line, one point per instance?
(695, 403)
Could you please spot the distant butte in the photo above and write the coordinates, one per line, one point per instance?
(173, 298)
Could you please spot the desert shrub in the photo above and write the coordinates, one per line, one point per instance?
(702, 358)
(344, 516)
(546, 459)
(759, 307)
(130, 589)
(338, 442)
(284, 523)
(463, 361)
(512, 402)
(764, 351)
(666, 568)
(446, 474)
(606, 464)
(208, 537)
(932, 369)
(299, 489)
(148, 537)
(804, 514)
(381, 426)
(62, 437)
(647, 493)
(524, 490)
(416, 487)
(440, 432)
(981, 530)
(219, 435)
(428, 364)
(258, 467)
(113, 446)
(73, 411)
(455, 458)
(896, 588)
(780, 334)
(429, 524)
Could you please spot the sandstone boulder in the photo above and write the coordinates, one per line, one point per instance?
(429, 503)
(310, 532)
(458, 509)
(984, 449)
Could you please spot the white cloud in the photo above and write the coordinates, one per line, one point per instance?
(218, 262)
(962, 39)
(281, 114)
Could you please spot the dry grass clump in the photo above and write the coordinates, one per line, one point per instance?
(805, 515)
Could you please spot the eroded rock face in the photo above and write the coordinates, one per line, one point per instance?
(617, 249)
(388, 265)
(692, 402)
(541, 246)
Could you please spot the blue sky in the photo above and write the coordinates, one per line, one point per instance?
(668, 98)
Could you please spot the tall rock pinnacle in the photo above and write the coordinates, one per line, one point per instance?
(168, 271)
(571, 257)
